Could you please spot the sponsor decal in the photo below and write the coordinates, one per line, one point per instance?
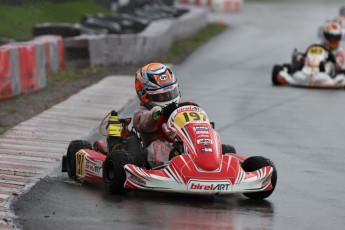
(188, 108)
(200, 128)
(202, 132)
(203, 136)
(206, 150)
(94, 167)
(209, 185)
(163, 77)
(204, 141)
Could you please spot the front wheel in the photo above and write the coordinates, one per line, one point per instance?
(72, 149)
(275, 72)
(228, 149)
(254, 163)
(114, 175)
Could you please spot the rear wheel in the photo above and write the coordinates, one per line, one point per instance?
(275, 73)
(72, 149)
(136, 150)
(114, 175)
(254, 163)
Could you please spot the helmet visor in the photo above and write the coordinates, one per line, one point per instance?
(332, 37)
(164, 96)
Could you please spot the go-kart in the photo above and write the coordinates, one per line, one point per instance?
(314, 68)
(204, 166)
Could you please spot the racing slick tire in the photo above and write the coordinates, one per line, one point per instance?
(275, 72)
(72, 149)
(228, 149)
(255, 163)
(114, 175)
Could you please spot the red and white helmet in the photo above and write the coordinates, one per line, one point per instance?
(332, 35)
(156, 85)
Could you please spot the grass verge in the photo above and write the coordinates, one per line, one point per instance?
(23, 17)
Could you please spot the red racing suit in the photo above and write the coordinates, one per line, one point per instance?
(158, 148)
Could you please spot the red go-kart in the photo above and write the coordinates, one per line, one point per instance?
(202, 167)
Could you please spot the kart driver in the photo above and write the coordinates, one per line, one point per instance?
(331, 40)
(158, 91)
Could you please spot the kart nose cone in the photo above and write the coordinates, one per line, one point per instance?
(208, 161)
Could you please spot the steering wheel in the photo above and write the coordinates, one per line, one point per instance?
(163, 119)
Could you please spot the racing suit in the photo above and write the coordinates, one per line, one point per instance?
(339, 58)
(158, 148)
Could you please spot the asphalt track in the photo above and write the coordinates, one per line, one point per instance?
(300, 130)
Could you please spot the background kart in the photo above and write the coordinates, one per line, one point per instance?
(205, 166)
(309, 69)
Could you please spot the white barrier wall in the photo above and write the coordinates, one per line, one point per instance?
(149, 45)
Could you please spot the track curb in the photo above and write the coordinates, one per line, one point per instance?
(43, 139)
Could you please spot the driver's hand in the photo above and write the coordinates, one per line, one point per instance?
(167, 110)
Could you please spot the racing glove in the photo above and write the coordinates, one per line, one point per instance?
(156, 114)
(167, 110)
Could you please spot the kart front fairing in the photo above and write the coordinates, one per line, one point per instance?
(310, 75)
(317, 79)
(202, 169)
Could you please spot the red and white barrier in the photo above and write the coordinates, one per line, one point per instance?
(5, 74)
(24, 65)
(54, 51)
(28, 67)
(9, 72)
(217, 5)
(227, 5)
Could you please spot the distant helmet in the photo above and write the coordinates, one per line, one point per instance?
(332, 34)
(156, 85)
(340, 20)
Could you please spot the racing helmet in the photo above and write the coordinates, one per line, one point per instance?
(156, 85)
(332, 35)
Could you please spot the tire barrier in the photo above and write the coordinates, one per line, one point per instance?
(24, 65)
(85, 51)
(98, 23)
(148, 45)
(64, 30)
(217, 5)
